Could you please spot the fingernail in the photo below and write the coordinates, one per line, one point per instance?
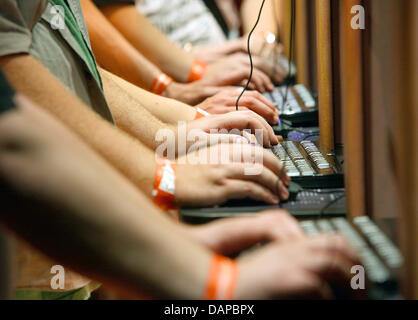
(241, 141)
(276, 119)
(274, 200)
(285, 193)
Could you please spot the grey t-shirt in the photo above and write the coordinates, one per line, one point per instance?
(34, 27)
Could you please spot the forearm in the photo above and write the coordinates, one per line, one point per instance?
(169, 111)
(114, 52)
(148, 40)
(249, 14)
(130, 157)
(105, 229)
(131, 116)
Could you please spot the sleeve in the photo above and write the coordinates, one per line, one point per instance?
(100, 3)
(15, 36)
(6, 95)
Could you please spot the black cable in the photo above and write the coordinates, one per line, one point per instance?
(329, 204)
(291, 45)
(249, 54)
(310, 136)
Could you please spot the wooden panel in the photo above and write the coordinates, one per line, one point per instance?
(313, 69)
(405, 137)
(324, 65)
(392, 55)
(302, 43)
(336, 68)
(283, 16)
(382, 36)
(352, 102)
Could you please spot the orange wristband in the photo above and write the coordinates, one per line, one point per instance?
(223, 275)
(160, 83)
(164, 184)
(198, 70)
(201, 114)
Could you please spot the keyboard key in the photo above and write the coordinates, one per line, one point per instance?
(309, 227)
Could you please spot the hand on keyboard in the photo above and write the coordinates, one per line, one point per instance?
(230, 173)
(306, 268)
(233, 235)
(224, 102)
(238, 121)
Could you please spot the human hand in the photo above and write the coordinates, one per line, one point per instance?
(233, 235)
(234, 70)
(238, 121)
(228, 171)
(298, 269)
(225, 102)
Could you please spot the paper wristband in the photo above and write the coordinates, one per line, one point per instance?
(198, 70)
(223, 275)
(160, 83)
(164, 184)
(201, 114)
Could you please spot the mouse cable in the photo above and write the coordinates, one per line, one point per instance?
(329, 204)
(318, 191)
(250, 56)
(315, 135)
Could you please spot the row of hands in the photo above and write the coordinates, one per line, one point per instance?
(222, 171)
(232, 69)
(292, 265)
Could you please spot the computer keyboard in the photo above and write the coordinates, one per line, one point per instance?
(307, 166)
(379, 256)
(307, 204)
(300, 107)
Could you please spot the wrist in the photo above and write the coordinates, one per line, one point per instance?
(222, 279)
(163, 192)
(200, 113)
(174, 90)
(197, 71)
(189, 93)
(160, 84)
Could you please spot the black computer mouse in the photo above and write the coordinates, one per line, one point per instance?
(294, 189)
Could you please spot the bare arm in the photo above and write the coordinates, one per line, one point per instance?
(167, 110)
(125, 59)
(127, 155)
(249, 13)
(105, 229)
(114, 52)
(148, 40)
(130, 157)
